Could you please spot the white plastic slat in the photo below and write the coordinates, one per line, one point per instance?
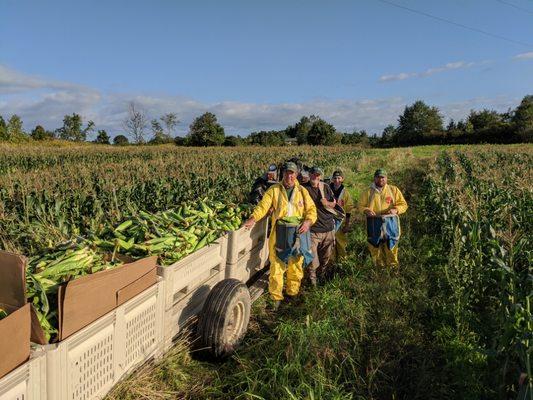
(241, 242)
(186, 310)
(249, 264)
(184, 276)
(27, 382)
(86, 365)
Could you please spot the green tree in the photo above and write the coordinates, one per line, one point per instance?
(73, 129)
(484, 119)
(39, 133)
(14, 131)
(523, 118)
(120, 140)
(322, 133)
(3, 129)
(387, 136)
(301, 128)
(232, 141)
(205, 131)
(267, 138)
(170, 122)
(417, 122)
(160, 136)
(102, 137)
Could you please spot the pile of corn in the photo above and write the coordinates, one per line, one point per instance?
(171, 235)
(45, 272)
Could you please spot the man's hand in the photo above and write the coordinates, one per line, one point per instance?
(327, 203)
(250, 223)
(306, 225)
(370, 213)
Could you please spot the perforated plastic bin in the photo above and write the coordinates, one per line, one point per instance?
(243, 241)
(249, 264)
(186, 310)
(27, 382)
(87, 364)
(185, 276)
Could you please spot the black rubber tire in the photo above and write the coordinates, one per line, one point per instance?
(224, 318)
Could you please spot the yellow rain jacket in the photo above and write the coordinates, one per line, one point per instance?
(301, 205)
(381, 202)
(346, 202)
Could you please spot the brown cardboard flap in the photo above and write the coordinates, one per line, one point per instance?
(37, 332)
(134, 288)
(14, 339)
(86, 299)
(12, 279)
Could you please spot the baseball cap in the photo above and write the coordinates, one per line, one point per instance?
(380, 172)
(316, 170)
(290, 166)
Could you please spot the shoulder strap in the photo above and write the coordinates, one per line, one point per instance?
(371, 197)
(391, 194)
(321, 188)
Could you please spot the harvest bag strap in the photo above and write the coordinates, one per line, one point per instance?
(290, 205)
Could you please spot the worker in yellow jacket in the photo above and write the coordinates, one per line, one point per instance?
(344, 199)
(285, 199)
(382, 203)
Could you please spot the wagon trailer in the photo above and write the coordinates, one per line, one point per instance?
(212, 287)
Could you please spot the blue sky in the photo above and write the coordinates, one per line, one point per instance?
(261, 65)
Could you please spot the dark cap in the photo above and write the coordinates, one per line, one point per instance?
(316, 170)
(272, 168)
(380, 172)
(337, 174)
(290, 166)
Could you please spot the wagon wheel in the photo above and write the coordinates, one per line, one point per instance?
(225, 316)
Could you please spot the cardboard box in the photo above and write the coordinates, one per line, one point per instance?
(15, 328)
(85, 299)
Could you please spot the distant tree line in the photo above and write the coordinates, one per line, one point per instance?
(419, 124)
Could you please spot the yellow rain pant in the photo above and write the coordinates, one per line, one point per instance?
(294, 270)
(382, 256)
(340, 244)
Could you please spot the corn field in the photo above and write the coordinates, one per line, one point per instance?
(51, 195)
(481, 205)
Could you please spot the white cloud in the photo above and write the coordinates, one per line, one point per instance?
(524, 56)
(12, 81)
(40, 101)
(428, 72)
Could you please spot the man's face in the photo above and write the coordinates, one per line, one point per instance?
(289, 177)
(314, 179)
(337, 181)
(271, 176)
(380, 181)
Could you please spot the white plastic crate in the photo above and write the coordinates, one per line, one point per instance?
(186, 310)
(249, 263)
(243, 241)
(183, 277)
(87, 364)
(27, 382)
